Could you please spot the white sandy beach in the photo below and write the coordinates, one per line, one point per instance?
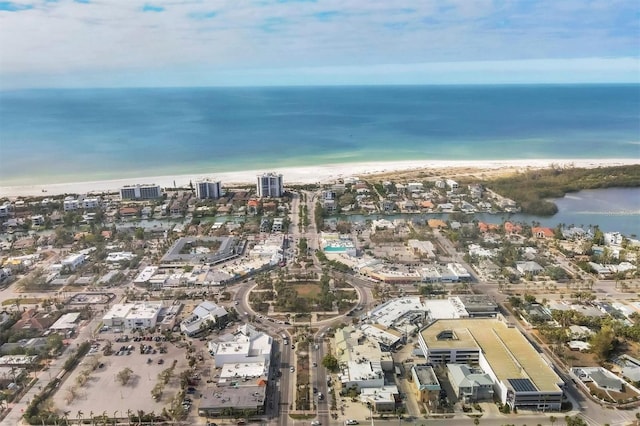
(302, 175)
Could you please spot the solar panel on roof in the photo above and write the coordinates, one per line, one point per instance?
(522, 385)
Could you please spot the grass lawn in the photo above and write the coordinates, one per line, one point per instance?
(22, 301)
(307, 290)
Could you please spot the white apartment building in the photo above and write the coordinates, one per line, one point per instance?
(415, 186)
(133, 315)
(73, 261)
(37, 220)
(208, 189)
(270, 185)
(90, 203)
(4, 210)
(140, 192)
(70, 204)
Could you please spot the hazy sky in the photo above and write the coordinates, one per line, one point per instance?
(97, 43)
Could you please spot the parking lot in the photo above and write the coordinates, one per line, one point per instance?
(102, 391)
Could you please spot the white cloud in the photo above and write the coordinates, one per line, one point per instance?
(58, 41)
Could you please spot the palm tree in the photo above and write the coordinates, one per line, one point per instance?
(129, 412)
(80, 415)
(115, 416)
(91, 417)
(552, 419)
(65, 416)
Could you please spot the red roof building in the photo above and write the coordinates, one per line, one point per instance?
(541, 232)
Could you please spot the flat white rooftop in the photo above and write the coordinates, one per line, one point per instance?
(237, 347)
(242, 370)
(66, 322)
(137, 310)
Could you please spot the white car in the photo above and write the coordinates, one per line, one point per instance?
(351, 422)
(315, 423)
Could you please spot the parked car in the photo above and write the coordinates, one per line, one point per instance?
(351, 422)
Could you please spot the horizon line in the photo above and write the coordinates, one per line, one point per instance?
(326, 85)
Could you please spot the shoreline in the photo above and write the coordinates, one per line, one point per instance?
(307, 174)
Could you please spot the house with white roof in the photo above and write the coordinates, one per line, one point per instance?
(529, 267)
(119, 256)
(200, 317)
(613, 238)
(470, 385)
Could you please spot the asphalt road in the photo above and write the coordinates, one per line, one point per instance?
(319, 376)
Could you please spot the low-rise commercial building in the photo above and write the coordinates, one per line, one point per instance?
(234, 400)
(384, 399)
(426, 385)
(521, 377)
(133, 315)
(243, 359)
(244, 349)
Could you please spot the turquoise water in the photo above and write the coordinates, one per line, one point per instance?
(79, 135)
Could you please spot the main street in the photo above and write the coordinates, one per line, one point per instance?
(284, 357)
(317, 352)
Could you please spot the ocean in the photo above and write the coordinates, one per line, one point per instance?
(56, 136)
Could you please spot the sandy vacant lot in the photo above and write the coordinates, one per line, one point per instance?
(102, 392)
